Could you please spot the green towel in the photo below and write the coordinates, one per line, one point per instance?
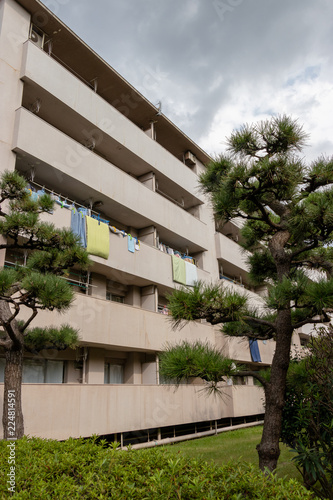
(178, 270)
(97, 238)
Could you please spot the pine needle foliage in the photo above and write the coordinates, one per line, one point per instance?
(191, 360)
(39, 339)
(204, 301)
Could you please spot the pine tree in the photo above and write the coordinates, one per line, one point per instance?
(37, 285)
(287, 210)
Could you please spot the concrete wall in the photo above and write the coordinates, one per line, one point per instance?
(56, 412)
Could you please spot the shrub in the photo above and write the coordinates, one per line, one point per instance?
(307, 424)
(82, 469)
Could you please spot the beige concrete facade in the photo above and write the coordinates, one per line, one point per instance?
(74, 127)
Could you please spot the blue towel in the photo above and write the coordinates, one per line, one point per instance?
(78, 226)
(254, 349)
(130, 243)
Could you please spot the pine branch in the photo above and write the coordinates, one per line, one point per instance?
(6, 323)
(260, 321)
(27, 323)
(325, 319)
(265, 217)
(6, 319)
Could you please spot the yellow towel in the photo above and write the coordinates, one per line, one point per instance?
(178, 270)
(97, 238)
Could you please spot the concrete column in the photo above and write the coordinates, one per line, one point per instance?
(133, 296)
(95, 366)
(132, 373)
(98, 288)
(148, 180)
(148, 235)
(149, 298)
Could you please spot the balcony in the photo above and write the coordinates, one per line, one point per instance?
(142, 268)
(61, 411)
(239, 350)
(232, 255)
(106, 324)
(73, 107)
(254, 299)
(63, 164)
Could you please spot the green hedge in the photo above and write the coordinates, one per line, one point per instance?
(82, 469)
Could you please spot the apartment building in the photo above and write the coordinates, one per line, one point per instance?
(77, 130)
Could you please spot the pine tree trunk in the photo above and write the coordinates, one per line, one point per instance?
(268, 449)
(12, 419)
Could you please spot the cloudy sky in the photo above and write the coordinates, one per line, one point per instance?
(216, 64)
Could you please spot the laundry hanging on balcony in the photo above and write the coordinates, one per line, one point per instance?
(133, 243)
(97, 238)
(191, 273)
(114, 230)
(130, 243)
(254, 350)
(183, 272)
(78, 226)
(178, 270)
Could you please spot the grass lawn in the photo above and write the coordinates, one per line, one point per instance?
(236, 445)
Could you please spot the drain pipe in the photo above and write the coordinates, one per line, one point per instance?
(161, 442)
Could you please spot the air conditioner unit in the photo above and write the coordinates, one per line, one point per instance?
(190, 159)
(37, 36)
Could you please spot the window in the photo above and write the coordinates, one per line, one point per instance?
(39, 371)
(43, 371)
(163, 309)
(113, 373)
(116, 292)
(114, 298)
(239, 380)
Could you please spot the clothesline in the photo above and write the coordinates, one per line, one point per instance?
(59, 195)
(165, 248)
